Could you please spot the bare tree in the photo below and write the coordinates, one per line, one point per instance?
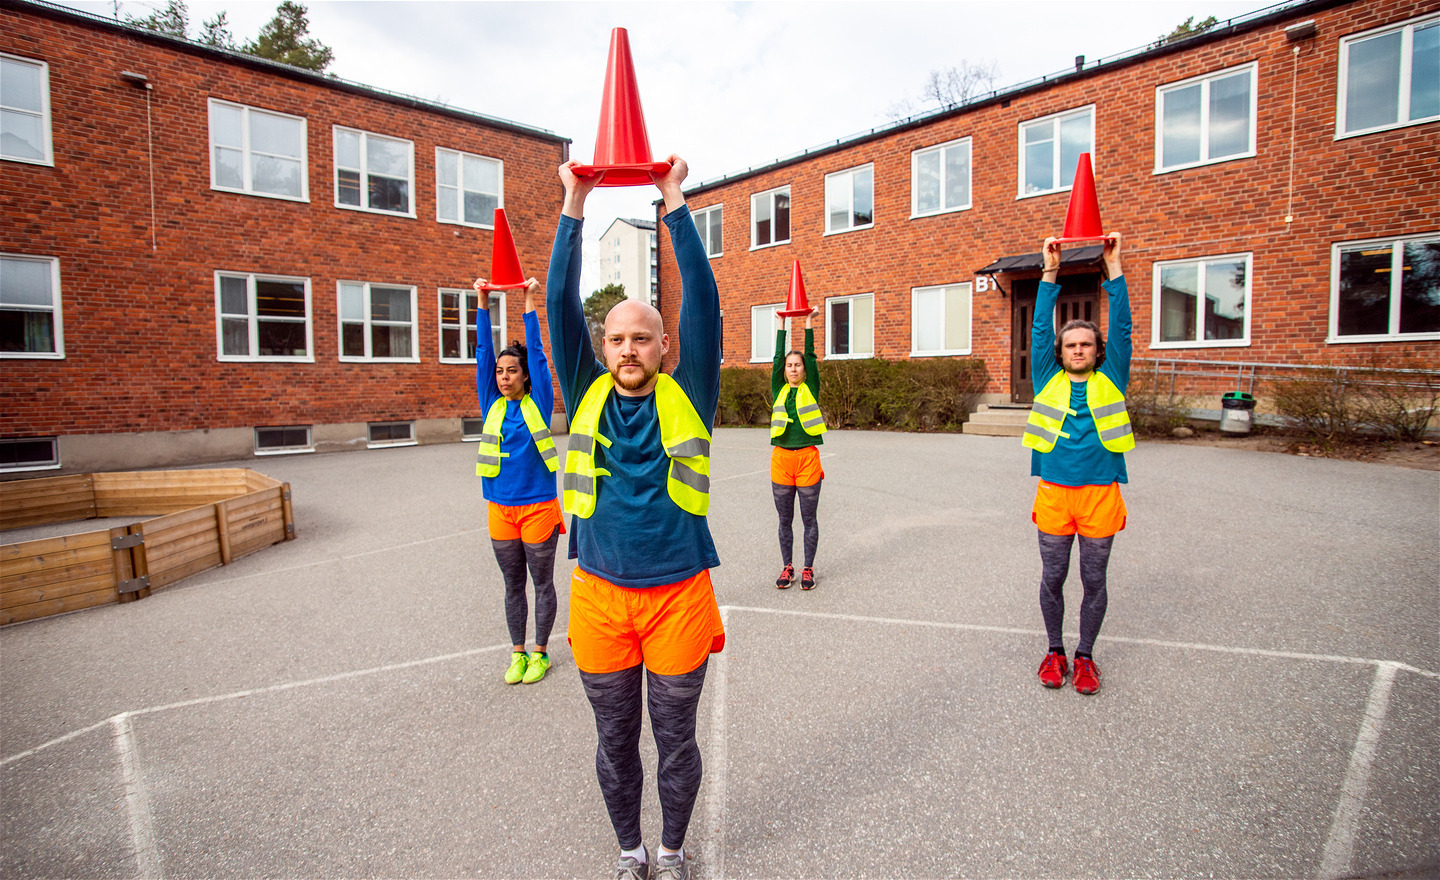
(950, 87)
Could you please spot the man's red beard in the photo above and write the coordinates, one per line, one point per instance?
(628, 381)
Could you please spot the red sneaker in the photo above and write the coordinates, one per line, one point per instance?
(807, 578)
(787, 574)
(1087, 676)
(1053, 669)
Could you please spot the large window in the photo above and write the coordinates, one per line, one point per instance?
(764, 324)
(1202, 303)
(459, 314)
(940, 178)
(1050, 148)
(1390, 77)
(468, 188)
(770, 218)
(30, 325)
(257, 152)
(1205, 119)
(850, 199)
(1386, 289)
(373, 172)
(377, 322)
(850, 326)
(940, 320)
(262, 317)
(29, 454)
(708, 223)
(25, 111)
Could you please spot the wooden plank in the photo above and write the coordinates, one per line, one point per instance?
(161, 553)
(60, 590)
(12, 581)
(56, 555)
(50, 545)
(123, 567)
(255, 481)
(222, 529)
(178, 568)
(57, 606)
(289, 512)
(46, 500)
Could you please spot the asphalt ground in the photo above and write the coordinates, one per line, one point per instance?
(333, 706)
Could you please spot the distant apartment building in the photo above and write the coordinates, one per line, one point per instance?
(627, 256)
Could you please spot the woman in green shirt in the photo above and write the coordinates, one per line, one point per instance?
(796, 429)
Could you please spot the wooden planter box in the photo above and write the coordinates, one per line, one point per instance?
(203, 518)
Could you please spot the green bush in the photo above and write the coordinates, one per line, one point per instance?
(1322, 406)
(1154, 409)
(744, 396)
(1397, 403)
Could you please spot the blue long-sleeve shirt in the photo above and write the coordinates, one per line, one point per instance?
(1080, 459)
(523, 478)
(637, 537)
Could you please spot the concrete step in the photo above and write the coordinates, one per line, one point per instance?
(1005, 421)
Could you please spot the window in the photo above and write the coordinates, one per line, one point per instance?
(1385, 289)
(263, 317)
(940, 320)
(373, 173)
(283, 440)
(708, 223)
(257, 152)
(384, 434)
(377, 322)
(764, 324)
(850, 326)
(471, 429)
(1206, 119)
(1390, 78)
(29, 454)
(1050, 149)
(940, 178)
(850, 199)
(468, 188)
(1204, 303)
(25, 111)
(770, 218)
(30, 325)
(457, 327)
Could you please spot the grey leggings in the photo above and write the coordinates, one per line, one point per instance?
(673, 700)
(513, 557)
(785, 506)
(1055, 564)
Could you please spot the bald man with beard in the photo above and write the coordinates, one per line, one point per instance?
(643, 615)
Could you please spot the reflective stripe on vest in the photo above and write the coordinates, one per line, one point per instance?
(488, 456)
(806, 407)
(1107, 406)
(682, 433)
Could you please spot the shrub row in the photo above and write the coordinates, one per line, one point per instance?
(1340, 406)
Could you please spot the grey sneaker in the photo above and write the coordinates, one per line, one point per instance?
(671, 868)
(631, 869)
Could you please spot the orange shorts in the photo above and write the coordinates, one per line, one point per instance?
(531, 523)
(671, 629)
(795, 467)
(1093, 511)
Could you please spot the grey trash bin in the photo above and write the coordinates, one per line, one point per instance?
(1237, 410)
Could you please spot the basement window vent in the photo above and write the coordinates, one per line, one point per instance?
(29, 454)
(384, 434)
(283, 440)
(471, 429)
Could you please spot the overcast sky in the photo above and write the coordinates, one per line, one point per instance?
(725, 85)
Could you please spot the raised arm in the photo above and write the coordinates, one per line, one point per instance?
(575, 363)
(777, 370)
(812, 364)
(1042, 329)
(699, 369)
(485, 389)
(541, 391)
(1118, 345)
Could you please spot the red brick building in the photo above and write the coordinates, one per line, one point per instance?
(1277, 179)
(207, 256)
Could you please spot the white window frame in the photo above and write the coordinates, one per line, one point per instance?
(713, 217)
(252, 316)
(248, 153)
(1054, 120)
(1407, 58)
(1157, 270)
(49, 158)
(968, 289)
(776, 323)
(459, 186)
(364, 172)
(497, 322)
(850, 174)
(53, 463)
(58, 322)
(830, 302)
(1204, 81)
(1396, 244)
(943, 150)
(368, 324)
(389, 444)
(309, 445)
(771, 194)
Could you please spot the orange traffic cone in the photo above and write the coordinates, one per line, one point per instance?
(796, 306)
(622, 148)
(1082, 218)
(505, 271)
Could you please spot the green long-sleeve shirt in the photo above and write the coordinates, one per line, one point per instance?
(794, 436)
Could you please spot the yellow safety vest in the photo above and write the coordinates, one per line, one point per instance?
(1052, 405)
(487, 459)
(682, 433)
(806, 408)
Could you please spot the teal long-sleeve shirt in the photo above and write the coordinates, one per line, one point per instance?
(794, 436)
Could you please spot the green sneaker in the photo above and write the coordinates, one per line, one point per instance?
(517, 668)
(536, 667)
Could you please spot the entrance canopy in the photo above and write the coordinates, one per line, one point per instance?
(1089, 255)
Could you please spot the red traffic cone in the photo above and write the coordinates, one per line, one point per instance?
(505, 271)
(622, 148)
(796, 306)
(1082, 218)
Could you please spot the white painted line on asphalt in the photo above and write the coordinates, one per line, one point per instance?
(1340, 845)
(137, 806)
(714, 847)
